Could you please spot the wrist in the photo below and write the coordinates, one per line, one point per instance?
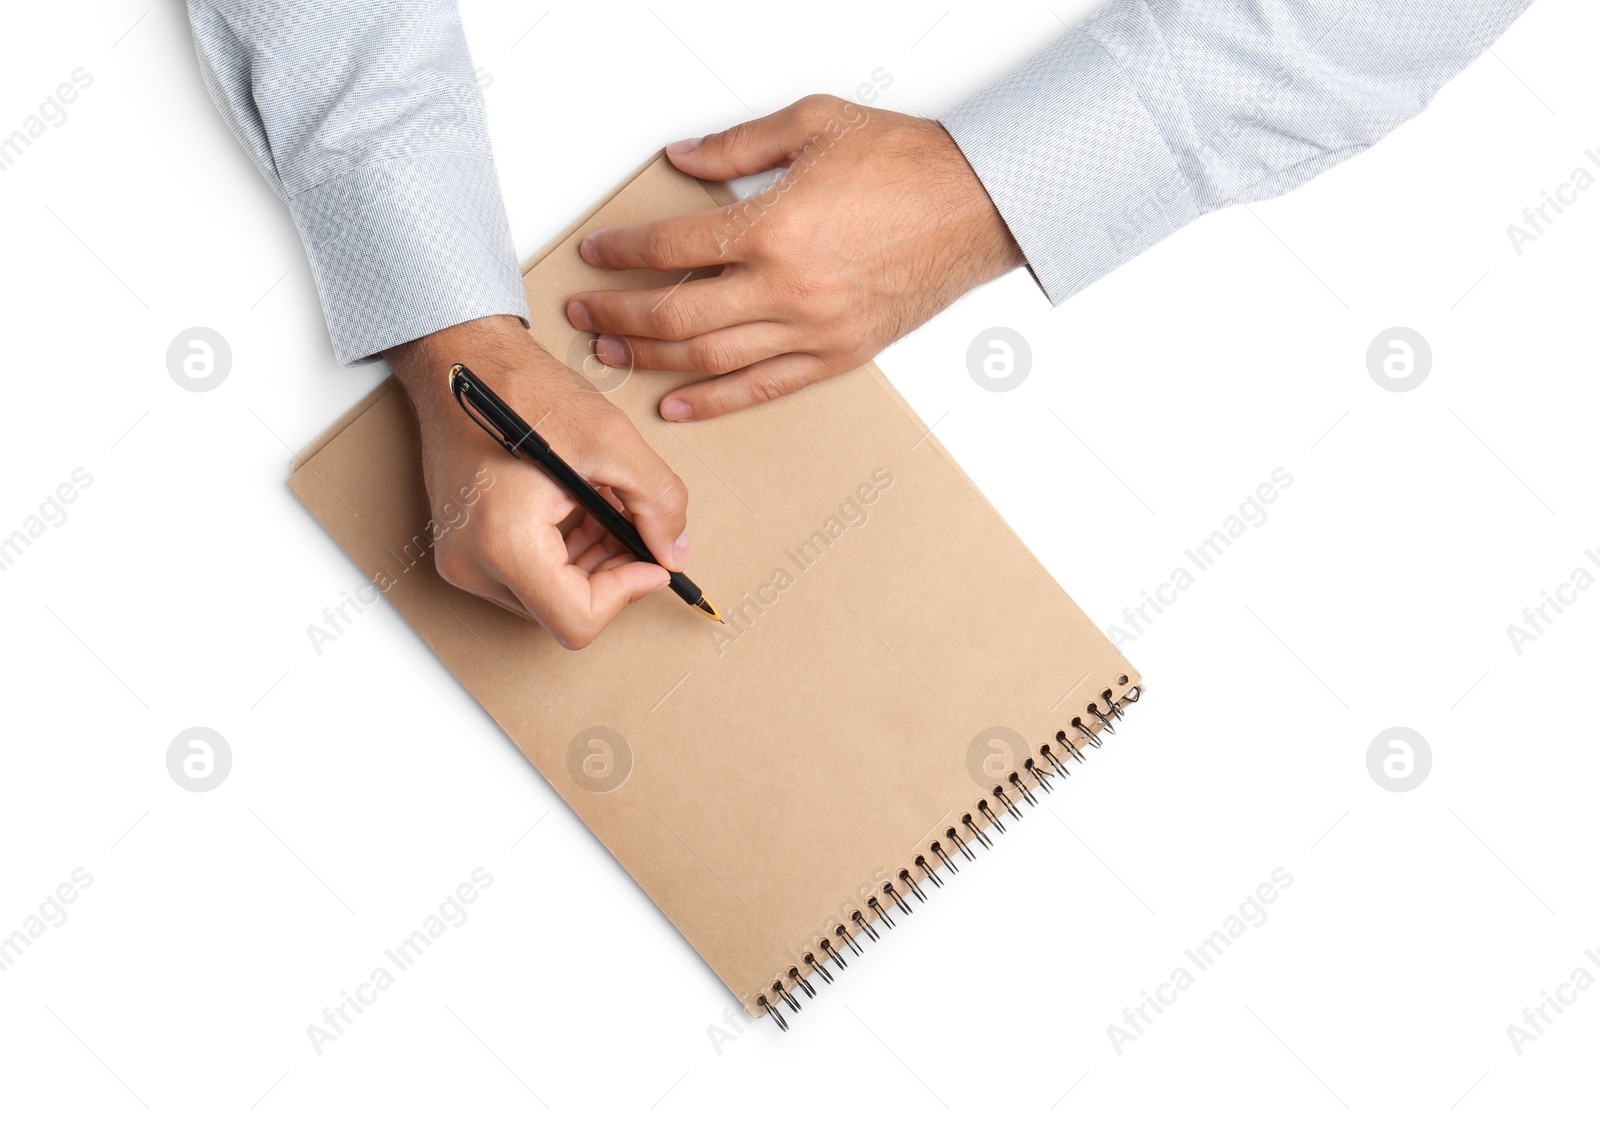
(497, 346)
(429, 358)
(990, 248)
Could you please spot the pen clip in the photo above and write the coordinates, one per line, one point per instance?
(460, 385)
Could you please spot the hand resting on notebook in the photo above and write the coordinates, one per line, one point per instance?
(510, 549)
(371, 128)
(877, 226)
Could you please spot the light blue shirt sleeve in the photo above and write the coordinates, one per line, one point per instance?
(1154, 112)
(366, 118)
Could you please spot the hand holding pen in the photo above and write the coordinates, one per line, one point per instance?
(519, 439)
(514, 543)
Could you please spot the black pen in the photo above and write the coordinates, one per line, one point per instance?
(514, 434)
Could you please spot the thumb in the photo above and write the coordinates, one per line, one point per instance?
(762, 144)
(615, 588)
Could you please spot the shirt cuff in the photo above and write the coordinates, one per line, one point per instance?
(404, 247)
(1075, 163)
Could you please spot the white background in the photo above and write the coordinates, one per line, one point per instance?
(366, 784)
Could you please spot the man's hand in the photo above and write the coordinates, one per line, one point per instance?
(510, 547)
(878, 225)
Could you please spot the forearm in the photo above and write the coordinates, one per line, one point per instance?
(366, 119)
(1152, 113)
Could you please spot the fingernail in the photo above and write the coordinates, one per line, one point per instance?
(611, 350)
(680, 549)
(578, 316)
(675, 408)
(679, 147)
(662, 581)
(588, 252)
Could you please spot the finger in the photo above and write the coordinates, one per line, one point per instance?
(680, 312)
(720, 352)
(599, 553)
(772, 141)
(612, 589)
(591, 546)
(570, 603)
(753, 385)
(652, 495)
(576, 606)
(610, 496)
(583, 538)
(667, 245)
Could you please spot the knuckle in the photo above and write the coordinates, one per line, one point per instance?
(735, 137)
(455, 567)
(770, 239)
(670, 493)
(611, 424)
(612, 432)
(574, 634)
(767, 386)
(657, 249)
(815, 109)
(713, 355)
(785, 234)
(672, 319)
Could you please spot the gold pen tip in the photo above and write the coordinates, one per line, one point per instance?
(710, 609)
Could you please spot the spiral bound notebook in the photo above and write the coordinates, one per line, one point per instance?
(897, 675)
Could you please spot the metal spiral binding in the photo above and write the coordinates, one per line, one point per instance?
(1019, 789)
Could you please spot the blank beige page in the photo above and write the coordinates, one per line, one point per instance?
(774, 772)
